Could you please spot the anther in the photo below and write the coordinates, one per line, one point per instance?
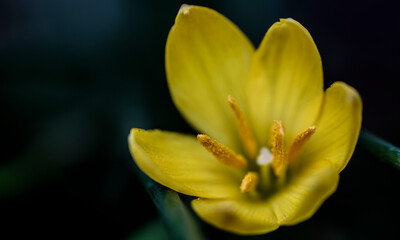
(279, 161)
(249, 182)
(297, 145)
(221, 152)
(248, 139)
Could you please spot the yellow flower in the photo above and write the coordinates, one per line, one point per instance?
(275, 143)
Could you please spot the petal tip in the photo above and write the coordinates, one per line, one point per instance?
(352, 94)
(290, 23)
(184, 9)
(132, 138)
(135, 131)
(131, 134)
(283, 21)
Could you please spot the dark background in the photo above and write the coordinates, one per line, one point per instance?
(76, 75)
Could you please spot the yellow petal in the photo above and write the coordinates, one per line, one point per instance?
(295, 202)
(179, 162)
(207, 58)
(338, 126)
(286, 81)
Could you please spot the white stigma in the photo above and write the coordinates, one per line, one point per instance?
(265, 157)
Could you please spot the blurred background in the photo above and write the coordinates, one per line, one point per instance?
(76, 75)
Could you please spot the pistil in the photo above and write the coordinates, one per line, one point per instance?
(264, 161)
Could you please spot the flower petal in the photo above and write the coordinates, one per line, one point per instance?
(207, 58)
(293, 203)
(337, 127)
(286, 81)
(179, 162)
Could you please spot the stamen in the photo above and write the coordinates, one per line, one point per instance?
(249, 182)
(279, 161)
(221, 152)
(248, 139)
(298, 143)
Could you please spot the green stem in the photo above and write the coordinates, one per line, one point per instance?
(385, 151)
(178, 219)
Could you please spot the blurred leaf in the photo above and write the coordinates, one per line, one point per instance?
(23, 174)
(380, 148)
(178, 219)
(153, 230)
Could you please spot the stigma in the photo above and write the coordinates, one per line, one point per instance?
(265, 157)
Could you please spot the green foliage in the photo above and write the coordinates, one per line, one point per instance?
(385, 151)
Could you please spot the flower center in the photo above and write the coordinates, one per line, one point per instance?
(271, 164)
